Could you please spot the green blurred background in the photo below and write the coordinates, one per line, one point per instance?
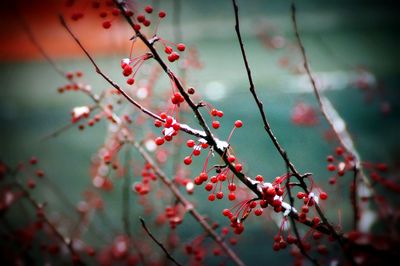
(338, 36)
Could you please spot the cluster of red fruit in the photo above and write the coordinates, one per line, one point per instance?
(341, 163)
(171, 128)
(143, 187)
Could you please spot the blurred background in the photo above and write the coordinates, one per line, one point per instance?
(353, 51)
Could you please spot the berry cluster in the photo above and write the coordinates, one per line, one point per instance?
(143, 187)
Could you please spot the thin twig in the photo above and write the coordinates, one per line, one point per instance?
(267, 127)
(169, 256)
(208, 135)
(343, 135)
(296, 231)
(259, 103)
(58, 234)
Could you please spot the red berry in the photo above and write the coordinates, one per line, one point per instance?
(211, 197)
(238, 123)
(323, 196)
(259, 178)
(159, 141)
(141, 18)
(130, 81)
(238, 167)
(203, 176)
(33, 160)
(190, 143)
(191, 90)
(220, 195)
(146, 23)
(162, 14)
(106, 24)
(31, 183)
(301, 195)
(258, 212)
(331, 167)
(168, 49)
(226, 212)
(215, 124)
(115, 12)
(209, 186)
(232, 187)
(231, 196)
(148, 9)
(196, 152)
(181, 47)
(187, 160)
(339, 150)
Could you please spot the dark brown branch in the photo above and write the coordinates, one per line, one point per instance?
(208, 135)
(126, 197)
(259, 103)
(331, 124)
(184, 128)
(158, 243)
(37, 206)
(293, 222)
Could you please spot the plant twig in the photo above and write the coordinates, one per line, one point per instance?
(342, 135)
(296, 231)
(67, 242)
(169, 256)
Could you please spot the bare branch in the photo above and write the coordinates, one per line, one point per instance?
(158, 243)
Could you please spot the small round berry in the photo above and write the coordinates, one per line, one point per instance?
(187, 160)
(106, 24)
(231, 196)
(323, 196)
(190, 143)
(130, 81)
(181, 47)
(191, 90)
(226, 212)
(162, 14)
(259, 178)
(196, 152)
(238, 123)
(148, 9)
(146, 23)
(159, 141)
(231, 158)
(339, 150)
(258, 212)
(232, 187)
(168, 50)
(208, 186)
(301, 195)
(33, 160)
(331, 167)
(31, 183)
(211, 197)
(215, 124)
(220, 195)
(203, 176)
(330, 158)
(115, 12)
(239, 167)
(141, 18)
